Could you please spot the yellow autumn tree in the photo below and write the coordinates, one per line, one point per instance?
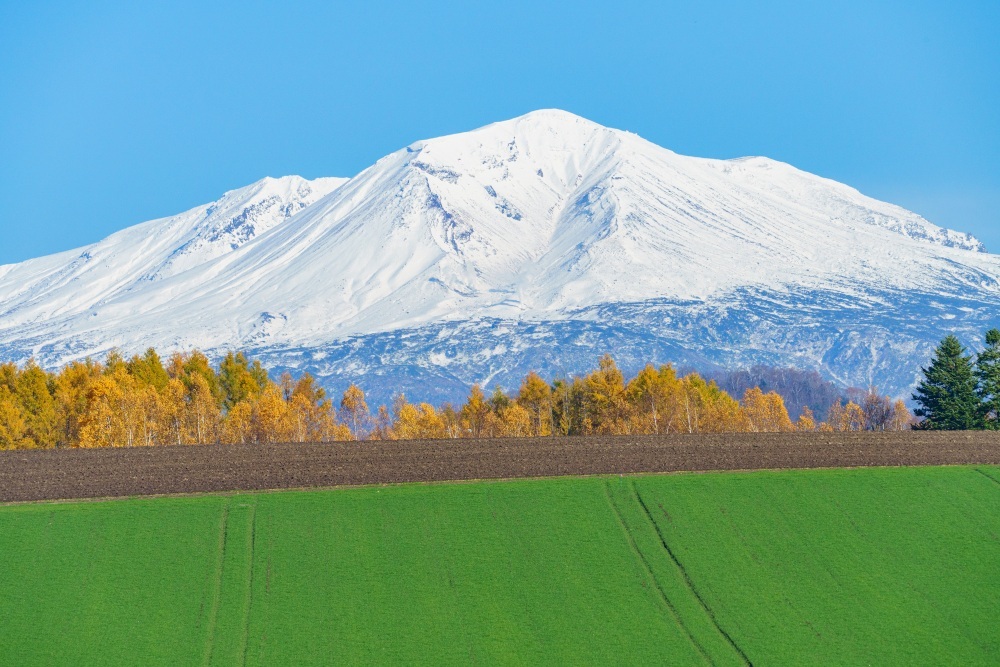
(238, 423)
(535, 396)
(8, 374)
(452, 418)
(173, 412)
(567, 406)
(13, 428)
(354, 412)
(708, 409)
(72, 392)
(38, 405)
(186, 367)
(765, 413)
(605, 402)
(312, 414)
(696, 400)
(202, 415)
(264, 418)
(657, 396)
(475, 412)
(271, 419)
(121, 410)
(414, 422)
(806, 421)
(150, 415)
(848, 417)
(106, 419)
(854, 417)
(513, 421)
(901, 418)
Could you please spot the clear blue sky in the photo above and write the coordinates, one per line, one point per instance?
(116, 113)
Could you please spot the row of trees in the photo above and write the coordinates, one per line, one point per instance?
(959, 391)
(143, 401)
(799, 388)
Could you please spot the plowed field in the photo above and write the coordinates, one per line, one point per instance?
(74, 474)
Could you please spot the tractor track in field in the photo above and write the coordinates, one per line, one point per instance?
(689, 582)
(988, 476)
(674, 613)
(248, 614)
(71, 474)
(213, 612)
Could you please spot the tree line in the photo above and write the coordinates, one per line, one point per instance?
(144, 401)
(799, 388)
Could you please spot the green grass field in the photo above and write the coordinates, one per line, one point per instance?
(877, 566)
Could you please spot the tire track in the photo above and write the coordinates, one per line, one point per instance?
(250, 580)
(232, 613)
(217, 596)
(687, 578)
(988, 476)
(676, 617)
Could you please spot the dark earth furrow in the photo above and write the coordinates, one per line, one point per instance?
(99, 473)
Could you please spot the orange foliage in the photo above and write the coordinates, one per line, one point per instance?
(143, 402)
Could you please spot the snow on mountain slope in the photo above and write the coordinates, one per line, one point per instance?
(74, 282)
(543, 218)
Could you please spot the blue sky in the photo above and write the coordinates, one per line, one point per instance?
(116, 113)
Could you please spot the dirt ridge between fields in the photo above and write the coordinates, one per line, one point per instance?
(102, 473)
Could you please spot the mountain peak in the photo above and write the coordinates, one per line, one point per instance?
(548, 122)
(551, 117)
(544, 128)
(547, 217)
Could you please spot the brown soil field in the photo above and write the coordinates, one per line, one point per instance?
(103, 473)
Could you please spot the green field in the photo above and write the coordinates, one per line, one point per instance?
(876, 566)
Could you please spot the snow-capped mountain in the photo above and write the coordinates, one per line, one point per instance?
(539, 242)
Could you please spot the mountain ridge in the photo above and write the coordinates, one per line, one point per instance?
(541, 219)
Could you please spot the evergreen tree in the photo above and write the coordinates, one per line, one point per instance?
(148, 370)
(239, 380)
(567, 405)
(34, 394)
(988, 374)
(499, 401)
(947, 395)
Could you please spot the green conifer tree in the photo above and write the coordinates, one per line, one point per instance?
(34, 394)
(988, 374)
(197, 363)
(239, 379)
(148, 370)
(947, 395)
